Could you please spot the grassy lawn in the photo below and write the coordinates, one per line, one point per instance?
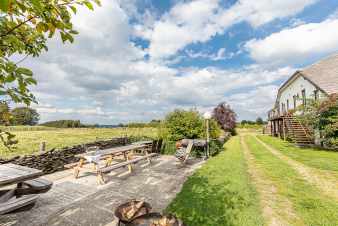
(219, 193)
(310, 205)
(30, 137)
(313, 157)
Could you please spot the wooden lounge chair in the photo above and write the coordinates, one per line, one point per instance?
(154, 146)
(16, 203)
(35, 186)
(184, 158)
(159, 145)
(108, 169)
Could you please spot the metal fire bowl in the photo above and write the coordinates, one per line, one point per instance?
(142, 211)
(148, 219)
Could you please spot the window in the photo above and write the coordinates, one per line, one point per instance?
(287, 104)
(316, 94)
(304, 97)
(294, 101)
(283, 107)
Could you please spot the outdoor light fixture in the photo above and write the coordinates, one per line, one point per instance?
(207, 116)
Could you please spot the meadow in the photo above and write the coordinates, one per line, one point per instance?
(30, 137)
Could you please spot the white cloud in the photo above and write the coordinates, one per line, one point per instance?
(104, 77)
(176, 29)
(296, 44)
(221, 54)
(255, 102)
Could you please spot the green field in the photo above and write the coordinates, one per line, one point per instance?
(30, 137)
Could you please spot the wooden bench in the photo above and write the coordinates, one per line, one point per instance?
(35, 186)
(128, 163)
(16, 203)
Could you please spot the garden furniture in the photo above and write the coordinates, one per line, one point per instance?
(108, 155)
(27, 186)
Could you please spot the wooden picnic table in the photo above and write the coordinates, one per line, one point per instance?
(146, 142)
(16, 174)
(115, 150)
(108, 155)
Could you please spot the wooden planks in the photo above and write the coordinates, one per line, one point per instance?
(17, 203)
(13, 174)
(116, 150)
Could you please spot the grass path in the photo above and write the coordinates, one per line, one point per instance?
(220, 193)
(323, 180)
(309, 203)
(312, 157)
(277, 210)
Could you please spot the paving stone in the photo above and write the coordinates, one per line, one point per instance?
(73, 202)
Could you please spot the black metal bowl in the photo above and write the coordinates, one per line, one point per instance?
(148, 219)
(145, 209)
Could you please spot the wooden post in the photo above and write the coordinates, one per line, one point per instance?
(284, 133)
(208, 138)
(42, 146)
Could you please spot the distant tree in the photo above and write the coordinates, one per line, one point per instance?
(65, 124)
(24, 116)
(225, 116)
(4, 113)
(244, 122)
(259, 121)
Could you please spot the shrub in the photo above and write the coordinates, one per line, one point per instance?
(323, 115)
(189, 124)
(225, 116)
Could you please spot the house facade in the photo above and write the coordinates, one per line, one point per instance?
(314, 82)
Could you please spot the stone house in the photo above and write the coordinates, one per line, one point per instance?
(313, 82)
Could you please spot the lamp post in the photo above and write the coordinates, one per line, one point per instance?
(207, 117)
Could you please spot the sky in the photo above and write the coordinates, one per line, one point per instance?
(137, 60)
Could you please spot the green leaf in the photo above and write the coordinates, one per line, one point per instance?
(25, 71)
(73, 8)
(40, 27)
(73, 32)
(31, 81)
(4, 5)
(89, 5)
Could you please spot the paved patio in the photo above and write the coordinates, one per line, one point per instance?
(81, 201)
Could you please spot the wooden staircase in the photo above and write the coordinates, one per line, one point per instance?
(299, 133)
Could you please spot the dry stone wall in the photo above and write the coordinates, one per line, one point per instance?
(54, 160)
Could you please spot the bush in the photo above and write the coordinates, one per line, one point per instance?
(323, 115)
(189, 124)
(225, 116)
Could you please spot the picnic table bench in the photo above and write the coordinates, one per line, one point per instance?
(28, 185)
(108, 156)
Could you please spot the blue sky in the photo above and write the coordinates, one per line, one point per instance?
(136, 60)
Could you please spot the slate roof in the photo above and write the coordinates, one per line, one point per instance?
(323, 74)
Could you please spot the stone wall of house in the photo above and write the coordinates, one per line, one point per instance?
(55, 160)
